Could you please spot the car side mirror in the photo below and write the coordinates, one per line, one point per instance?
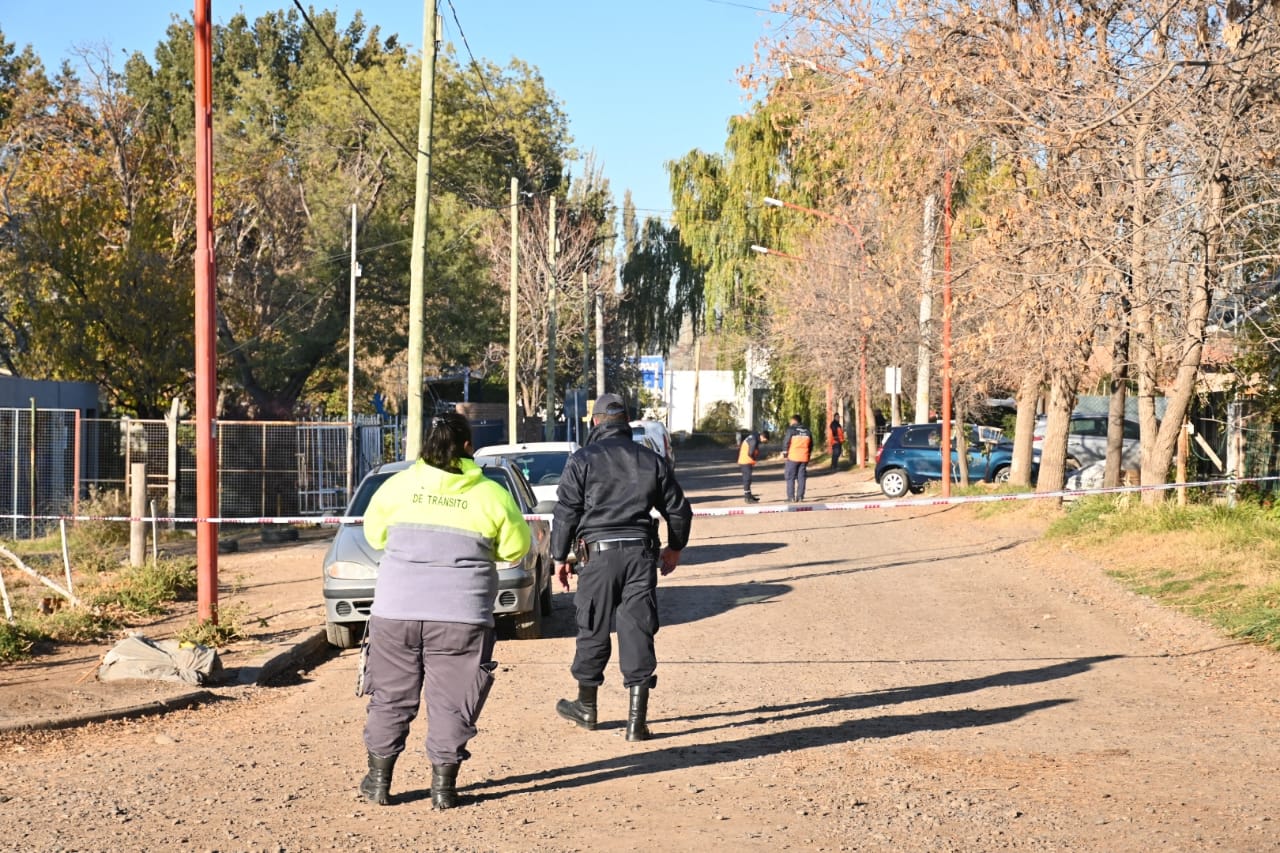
(545, 507)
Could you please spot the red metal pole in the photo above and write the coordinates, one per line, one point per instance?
(946, 336)
(206, 363)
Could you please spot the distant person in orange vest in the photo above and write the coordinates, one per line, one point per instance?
(837, 442)
(797, 447)
(748, 453)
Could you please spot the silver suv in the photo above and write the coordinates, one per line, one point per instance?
(1087, 441)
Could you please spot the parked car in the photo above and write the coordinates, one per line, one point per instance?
(911, 456)
(1087, 441)
(350, 566)
(659, 438)
(541, 462)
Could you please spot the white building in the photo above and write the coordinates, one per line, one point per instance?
(698, 375)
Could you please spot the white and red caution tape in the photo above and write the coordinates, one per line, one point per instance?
(714, 512)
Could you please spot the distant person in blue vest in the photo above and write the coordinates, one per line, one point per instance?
(797, 448)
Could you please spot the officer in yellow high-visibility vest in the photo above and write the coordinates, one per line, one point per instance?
(797, 447)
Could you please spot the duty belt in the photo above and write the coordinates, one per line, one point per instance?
(609, 544)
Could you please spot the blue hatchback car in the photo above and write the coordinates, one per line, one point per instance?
(911, 456)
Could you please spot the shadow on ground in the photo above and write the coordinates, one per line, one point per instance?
(769, 743)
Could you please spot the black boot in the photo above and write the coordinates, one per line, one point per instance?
(637, 729)
(444, 786)
(376, 785)
(582, 711)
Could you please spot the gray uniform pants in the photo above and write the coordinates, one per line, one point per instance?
(617, 586)
(454, 663)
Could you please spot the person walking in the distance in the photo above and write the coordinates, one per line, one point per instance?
(748, 453)
(797, 447)
(606, 495)
(837, 442)
(442, 524)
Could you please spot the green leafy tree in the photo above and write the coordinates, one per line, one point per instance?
(97, 279)
(311, 119)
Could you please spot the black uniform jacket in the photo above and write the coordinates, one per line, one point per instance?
(608, 489)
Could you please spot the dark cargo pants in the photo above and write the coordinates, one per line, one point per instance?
(618, 586)
(796, 474)
(454, 663)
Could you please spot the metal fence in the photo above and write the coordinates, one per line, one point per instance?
(52, 461)
(38, 466)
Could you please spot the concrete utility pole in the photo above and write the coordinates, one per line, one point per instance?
(513, 431)
(549, 424)
(417, 261)
(586, 332)
(351, 364)
(926, 308)
(599, 345)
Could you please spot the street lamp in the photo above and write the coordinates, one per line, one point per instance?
(863, 450)
(765, 250)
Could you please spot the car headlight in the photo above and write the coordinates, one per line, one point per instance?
(346, 570)
(504, 565)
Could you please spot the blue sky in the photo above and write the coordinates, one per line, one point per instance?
(642, 81)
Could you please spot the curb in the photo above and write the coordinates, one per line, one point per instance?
(159, 706)
(267, 666)
(257, 672)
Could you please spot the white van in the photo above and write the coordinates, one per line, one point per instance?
(658, 437)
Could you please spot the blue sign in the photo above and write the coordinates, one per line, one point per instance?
(652, 372)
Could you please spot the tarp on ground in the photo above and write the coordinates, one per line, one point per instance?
(163, 660)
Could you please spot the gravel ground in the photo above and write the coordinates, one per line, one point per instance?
(886, 680)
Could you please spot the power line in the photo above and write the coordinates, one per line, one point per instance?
(359, 94)
(474, 64)
(739, 5)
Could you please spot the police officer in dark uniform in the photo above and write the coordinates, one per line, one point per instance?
(606, 495)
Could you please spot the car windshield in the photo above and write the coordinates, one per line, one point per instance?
(540, 469)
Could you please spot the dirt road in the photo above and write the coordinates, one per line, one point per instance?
(888, 680)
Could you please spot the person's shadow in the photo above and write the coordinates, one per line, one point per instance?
(770, 743)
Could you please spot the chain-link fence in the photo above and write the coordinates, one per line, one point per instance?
(37, 466)
(52, 460)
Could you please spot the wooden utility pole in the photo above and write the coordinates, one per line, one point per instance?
(513, 431)
(418, 258)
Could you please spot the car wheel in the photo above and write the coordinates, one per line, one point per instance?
(343, 635)
(895, 483)
(529, 625)
(544, 598)
(1001, 475)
